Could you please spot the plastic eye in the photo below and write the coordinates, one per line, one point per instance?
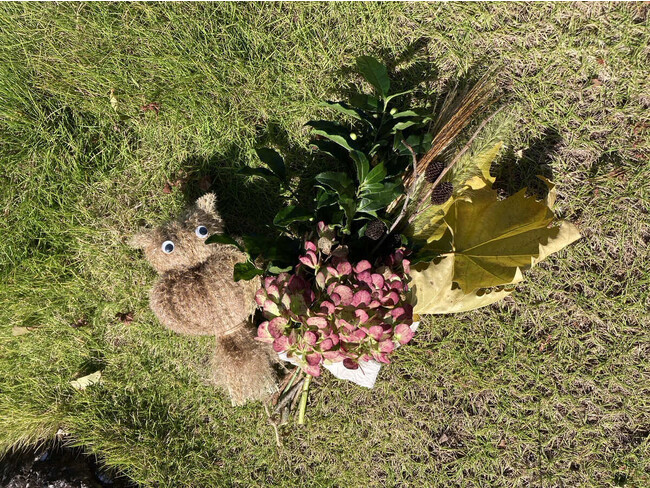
(201, 232)
(167, 247)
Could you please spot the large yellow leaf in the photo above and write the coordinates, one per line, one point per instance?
(435, 292)
(494, 240)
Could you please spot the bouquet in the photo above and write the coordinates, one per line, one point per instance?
(409, 225)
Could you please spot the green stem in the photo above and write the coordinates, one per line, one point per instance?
(303, 400)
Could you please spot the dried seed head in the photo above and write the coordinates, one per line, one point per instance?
(433, 171)
(442, 193)
(375, 229)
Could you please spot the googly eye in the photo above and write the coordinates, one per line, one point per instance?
(167, 247)
(201, 232)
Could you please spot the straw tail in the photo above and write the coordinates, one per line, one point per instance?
(243, 366)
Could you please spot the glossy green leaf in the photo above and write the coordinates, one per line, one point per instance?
(361, 164)
(376, 174)
(273, 160)
(291, 214)
(333, 131)
(365, 102)
(222, 239)
(337, 181)
(346, 109)
(246, 271)
(263, 172)
(375, 73)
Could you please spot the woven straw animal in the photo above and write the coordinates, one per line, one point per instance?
(196, 295)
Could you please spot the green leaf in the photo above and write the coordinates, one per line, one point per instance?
(376, 175)
(277, 270)
(337, 181)
(362, 165)
(365, 102)
(333, 131)
(406, 113)
(273, 160)
(263, 172)
(222, 239)
(395, 95)
(325, 198)
(291, 214)
(375, 73)
(349, 206)
(331, 148)
(246, 271)
(346, 109)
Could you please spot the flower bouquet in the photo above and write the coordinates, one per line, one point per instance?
(408, 224)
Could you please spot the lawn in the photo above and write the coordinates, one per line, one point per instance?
(115, 116)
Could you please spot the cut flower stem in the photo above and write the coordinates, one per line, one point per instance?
(303, 400)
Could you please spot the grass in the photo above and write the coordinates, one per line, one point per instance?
(550, 388)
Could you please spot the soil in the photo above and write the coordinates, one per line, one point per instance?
(57, 467)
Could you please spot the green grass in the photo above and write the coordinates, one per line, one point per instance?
(550, 388)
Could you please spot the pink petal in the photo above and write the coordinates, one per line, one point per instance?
(281, 344)
(313, 359)
(263, 333)
(381, 357)
(326, 344)
(345, 293)
(320, 279)
(336, 299)
(277, 326)
(377, 281)
(327, 307)
(403, 333)
(334, 356)
(310, 246)
(406, 264)
(260, 297)
(310, 337)
(345, 325)
(365, 277)
(268, 281)
(376, 332)
(361, 297)
(398, 313)
(273, 291)
(386, 346)
(344, 268)
(334, 338)
(271, 309)
(358, 335)
(313, 370)
(362, 315)
(362, 266)
(350, 363)
(310, 260)
(392, 298)
(396, 285)
(319, 322)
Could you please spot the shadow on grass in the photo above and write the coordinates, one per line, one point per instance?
(517, 171)
(248, 204)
